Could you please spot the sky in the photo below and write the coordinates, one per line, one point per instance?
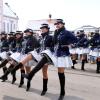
(75, 13)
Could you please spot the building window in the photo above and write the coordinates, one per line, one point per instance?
(7, 27)
(14, 26)
(4, 29)
(11, 26)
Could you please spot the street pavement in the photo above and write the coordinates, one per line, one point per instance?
(80, 85)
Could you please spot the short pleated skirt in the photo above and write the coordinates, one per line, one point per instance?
(95, 53)
(4, 55)
(36, 56)
(18, 57)
(64, 62)
(72, 51)
(82, 51)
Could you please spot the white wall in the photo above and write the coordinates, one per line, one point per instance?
(10, 24)
(1, 14)
(8, 20)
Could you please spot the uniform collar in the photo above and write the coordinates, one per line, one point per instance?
(44, 34)
(61, 29)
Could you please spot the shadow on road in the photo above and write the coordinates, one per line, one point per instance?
(17, 84)
(72, 98)
(52, 96)
(11, 98)
(49, 95)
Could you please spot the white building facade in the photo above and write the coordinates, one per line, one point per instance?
(10, 19)
(1, 14)
(87, 29)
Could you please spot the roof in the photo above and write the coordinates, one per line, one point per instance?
(86, 27)
(7, 11)
(35, 24)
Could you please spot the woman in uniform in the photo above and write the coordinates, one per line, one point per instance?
(83, 48)
(95, 49)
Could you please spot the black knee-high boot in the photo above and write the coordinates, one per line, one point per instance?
(4, 71)
(3, 63)
(62, 85)
(45, 82)
(22, 78)
(3, 77)
(82, 66)
(13, 71)
(34, 71)
(98, 67)
(13, 77)
(74, 62)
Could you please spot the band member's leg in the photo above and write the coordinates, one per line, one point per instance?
(13, 77)
(83, 61)
(73, 60)
(98, 65)
(28, 69)
(62, 83)
(4, 71)
(45, 79)
(4, 63)
(3, 77)
(22, 70)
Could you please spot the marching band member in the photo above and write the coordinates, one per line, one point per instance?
(63, 39)
(83, 49)
(92, 59)
(95, 49)
(73, 53)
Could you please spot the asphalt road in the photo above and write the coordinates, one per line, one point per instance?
(80, 85)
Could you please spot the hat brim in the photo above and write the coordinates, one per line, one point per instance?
(3, 34)
(18, 34)
(10, 34)
(28, 32)
(59, 23)
(44, 27)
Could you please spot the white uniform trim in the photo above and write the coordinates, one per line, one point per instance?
(73, 50)
(95, 52)
(82, 51)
